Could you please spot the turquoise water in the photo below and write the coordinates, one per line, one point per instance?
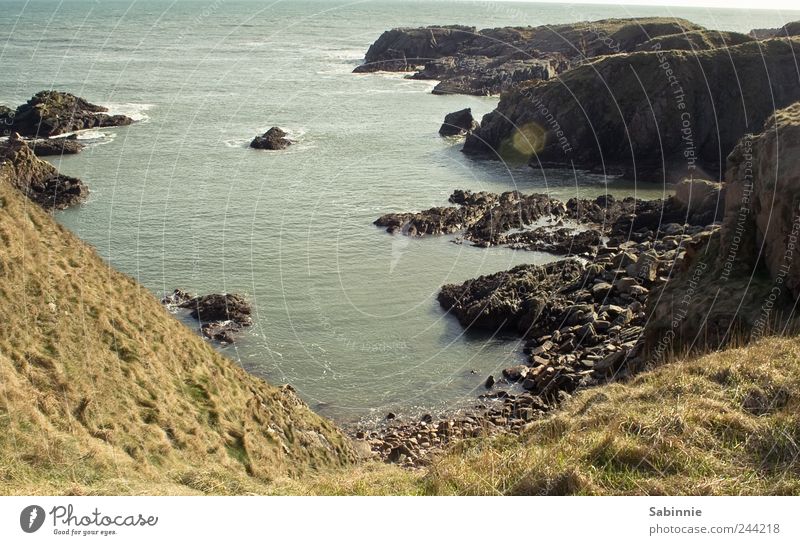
(344, 312)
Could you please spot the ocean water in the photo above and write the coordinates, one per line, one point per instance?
(345, 313)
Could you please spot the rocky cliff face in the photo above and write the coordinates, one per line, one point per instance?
(94, 370)
(653, 115)
(37, 179)
(746, 280)
(492, 60)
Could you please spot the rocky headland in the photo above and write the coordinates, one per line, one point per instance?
(490, 61)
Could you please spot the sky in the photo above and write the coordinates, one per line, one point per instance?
(783, 5)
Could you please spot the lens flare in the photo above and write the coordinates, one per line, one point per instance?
(525, 142)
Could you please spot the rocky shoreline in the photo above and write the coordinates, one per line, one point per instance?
(582, 318)
(637, 280)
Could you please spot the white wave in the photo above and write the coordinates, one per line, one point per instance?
(135, 111)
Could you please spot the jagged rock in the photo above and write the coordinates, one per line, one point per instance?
(50, 113)
(220, 331)
(458, 123)
(220, 307)
(38, 179)
(774, 155)
(273, 139)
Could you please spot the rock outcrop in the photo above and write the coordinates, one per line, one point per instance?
(745, 281)
(221, 315)
(490, 61)
(273, 139)
(458, 123)
(576, 227)
(38, 179)
(50, 113)
(44, 147)
(654, 115)
(403, 49)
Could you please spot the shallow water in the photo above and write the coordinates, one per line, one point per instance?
(344, 312)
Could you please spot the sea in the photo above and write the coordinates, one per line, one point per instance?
(344, 312)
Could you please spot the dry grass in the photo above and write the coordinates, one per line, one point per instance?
(726, 423)
(101, 391)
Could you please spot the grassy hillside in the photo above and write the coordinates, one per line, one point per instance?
(101, 391)
(727, 423)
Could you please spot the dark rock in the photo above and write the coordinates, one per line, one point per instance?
(218, 307)
(404, 49)
(458, 123)
(605, 124)
(493, 61)
(39, 180)
(221, 331)
(50, 113)
(273, 139)
(55, 146)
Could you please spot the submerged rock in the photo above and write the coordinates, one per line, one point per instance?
(50, 113)
(273, 139)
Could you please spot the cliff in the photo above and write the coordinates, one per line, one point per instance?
(745, 282)
(489, 61)
(655, 115)
(102, 391)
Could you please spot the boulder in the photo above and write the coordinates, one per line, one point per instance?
(458, 123)
(273, 139)
(703, 199)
